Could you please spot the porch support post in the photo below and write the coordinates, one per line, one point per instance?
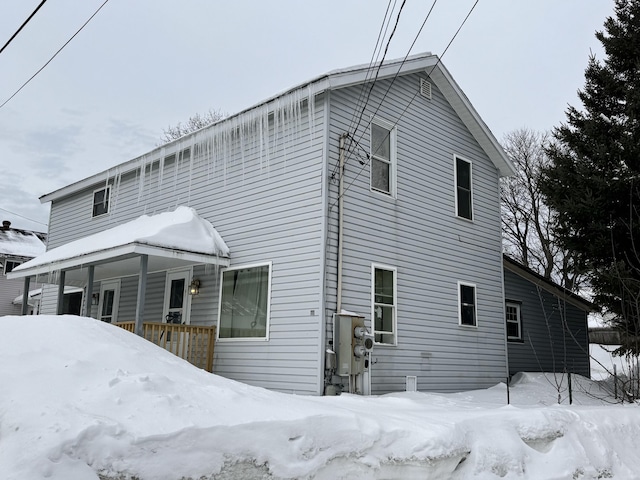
(25, 295)
(142, 288)
(61, 292)
(87, 301)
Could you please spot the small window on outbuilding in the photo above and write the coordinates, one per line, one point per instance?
(101, 200)
(514, 321)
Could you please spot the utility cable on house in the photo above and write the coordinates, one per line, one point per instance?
(54, 55)
(410, 101)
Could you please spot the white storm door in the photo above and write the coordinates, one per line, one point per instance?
(176, 297)
(109, 300)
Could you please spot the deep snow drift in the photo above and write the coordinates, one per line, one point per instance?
(82, 398)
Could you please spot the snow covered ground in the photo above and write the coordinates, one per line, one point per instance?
(81, 399)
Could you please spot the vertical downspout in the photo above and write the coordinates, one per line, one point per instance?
(323, 247)
(340, 224)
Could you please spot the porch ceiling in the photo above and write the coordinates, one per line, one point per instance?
(119, 262)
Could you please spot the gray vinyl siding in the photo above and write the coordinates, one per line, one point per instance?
(9, 290)
(268, 208)
(418, 234)
(555, 334)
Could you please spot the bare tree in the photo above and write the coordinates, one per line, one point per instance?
(194, 123)
(528, 224)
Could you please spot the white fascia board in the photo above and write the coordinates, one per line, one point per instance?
(118, 253)
(469, 116)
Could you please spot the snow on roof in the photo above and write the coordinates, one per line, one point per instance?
(183, 230)
(21, 243)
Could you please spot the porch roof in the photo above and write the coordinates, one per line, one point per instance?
(170, 239)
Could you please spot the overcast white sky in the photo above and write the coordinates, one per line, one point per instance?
(142, 65)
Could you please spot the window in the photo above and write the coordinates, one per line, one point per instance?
(244, 302)
(464, 194)
(514, 322)
(384, 305)
(383, 157)
(101, 201)
(467, 301)
(9, 265)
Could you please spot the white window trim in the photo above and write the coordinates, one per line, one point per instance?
(393, 154)
(518, 305)
(268, 323)
(475, 304)
(455, 186)
(93, 196)
(109, 285)
(395, 302)
(4, 267)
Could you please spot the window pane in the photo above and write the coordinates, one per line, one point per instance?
(463, 174)
(380, 175)
(107, 304)
(383, 319)
(380, 142)
(513, 330)
(383, 286)
(176, 296)
(244, 302)
(464, 203)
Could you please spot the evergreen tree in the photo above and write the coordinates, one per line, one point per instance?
(593, 181)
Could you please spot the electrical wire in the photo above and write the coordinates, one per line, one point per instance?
(22, 216)
(355, 132)
(22, 26)
(412, 99)
(54, 55)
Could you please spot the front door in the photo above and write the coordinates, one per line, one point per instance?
(108, 303)
(176, 301)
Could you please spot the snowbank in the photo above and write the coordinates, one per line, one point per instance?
(81, 397)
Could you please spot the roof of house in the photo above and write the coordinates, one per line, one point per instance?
(15, 242)
(548, 285)
(427, 63)
(168, 238)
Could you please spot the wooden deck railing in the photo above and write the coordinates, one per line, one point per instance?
(192, 343)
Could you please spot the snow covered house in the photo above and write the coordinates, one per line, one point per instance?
(547, 327)
(366, 190)
(16, 246)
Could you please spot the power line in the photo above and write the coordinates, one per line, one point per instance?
(22, 216)
(414, 96)
(355, 132)
(386, 48)
(55, 54)
(22, 26)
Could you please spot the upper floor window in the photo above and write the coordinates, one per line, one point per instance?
(467, 301)
(464, 193)
(384, 305)
(101, 200)
(514, 321)
(9, 265)
(244, 302)
(383, 157)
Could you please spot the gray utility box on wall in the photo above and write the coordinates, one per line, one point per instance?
(352, 343)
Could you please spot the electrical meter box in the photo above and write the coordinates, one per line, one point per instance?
(352, 344)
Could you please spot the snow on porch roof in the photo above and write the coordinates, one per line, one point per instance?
(181, 235)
